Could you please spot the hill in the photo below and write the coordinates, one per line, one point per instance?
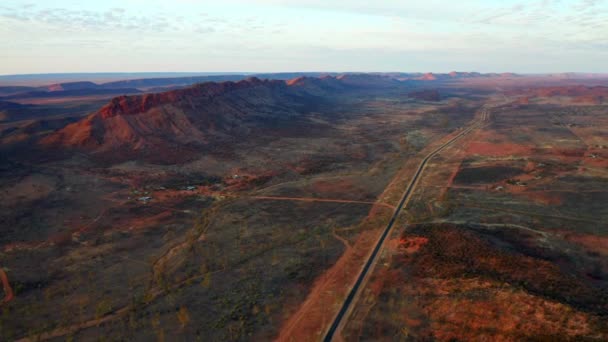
(192, 118)
(154, 125)
(57, 93)
(70, 86)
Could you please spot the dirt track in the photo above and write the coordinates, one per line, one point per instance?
(311, 199)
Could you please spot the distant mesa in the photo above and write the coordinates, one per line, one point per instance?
(452, 75)
(318, 86)
(367, 80)
(429, 77)
(160, 84)
(70, 86)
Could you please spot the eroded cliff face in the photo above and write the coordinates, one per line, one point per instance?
(191, 116)
(128, 105)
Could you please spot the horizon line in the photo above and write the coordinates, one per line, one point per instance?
(220, 73)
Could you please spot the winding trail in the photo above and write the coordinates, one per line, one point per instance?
(488, 225)
(341, 239)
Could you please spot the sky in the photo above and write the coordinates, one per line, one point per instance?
(533, 36)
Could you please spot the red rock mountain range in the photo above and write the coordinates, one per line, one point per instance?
(198, 114)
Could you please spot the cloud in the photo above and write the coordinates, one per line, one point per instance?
(550, 19)
(113, 19)
(206, 29)
(500, 13)
(326, 33)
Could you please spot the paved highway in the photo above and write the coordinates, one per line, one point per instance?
(366, 270)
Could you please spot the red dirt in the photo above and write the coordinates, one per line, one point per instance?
(544, 197)
(457, 290)
(338, 185)
(8, 290)
(444, 190)
(497, 149)
(249, 178)
(573, 154)
(329, 290)
(595, 243)
(23, 246)
(318, 310)
(589, 99)
(411, 244)
(502, 318)
(172, 195)
(139, 223)
(600, 162)
(337, 188)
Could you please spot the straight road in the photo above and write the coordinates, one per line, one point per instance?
(349, 302)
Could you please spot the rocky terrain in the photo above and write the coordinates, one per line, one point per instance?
(244, 207)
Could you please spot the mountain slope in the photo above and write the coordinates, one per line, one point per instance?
(207, 117)
(188, 118)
